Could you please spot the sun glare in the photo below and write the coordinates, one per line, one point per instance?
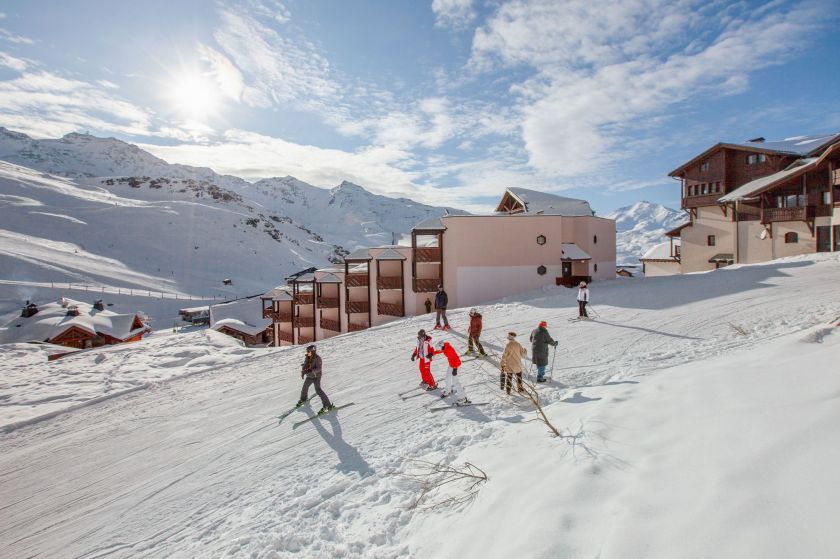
(194, 97)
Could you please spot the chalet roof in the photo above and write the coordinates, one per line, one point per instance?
(677, 231)
(534, 202)
(723, 258)
(431, 224)
(191, 310)
(756, 187)
(280, 293)
(51, 320)
(305, 278)
(799, 146)
(661, 252)
(359, 254)
(243, 315)
(329, 278)
(570, 251)
(390, 254)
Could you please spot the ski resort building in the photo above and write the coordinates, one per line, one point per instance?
(757, 200)
(73, 324)
(531, 240)
(243, 320)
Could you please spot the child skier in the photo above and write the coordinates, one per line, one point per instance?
(511, 364)
(473, 333)
(583, 300)
(540, 340)
(311, 369)
(451, 384)
(424, 351)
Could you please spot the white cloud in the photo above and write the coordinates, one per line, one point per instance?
(9, 61)
(229, 79)
(456, 14)
(13, 38)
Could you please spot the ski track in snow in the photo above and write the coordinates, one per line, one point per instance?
(200, 467)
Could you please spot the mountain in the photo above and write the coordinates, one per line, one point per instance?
(641, 226)
(109, 213)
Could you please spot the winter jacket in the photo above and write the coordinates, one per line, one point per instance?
(312, 366)
(474, 330)
(511, 361)
(441, 300)
(540, 340)
(424, 349)
(583, 294)
(451, 355)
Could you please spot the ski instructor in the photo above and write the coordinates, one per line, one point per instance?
(311, 369)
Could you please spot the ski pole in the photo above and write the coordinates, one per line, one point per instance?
(592, 309)
(551, 371)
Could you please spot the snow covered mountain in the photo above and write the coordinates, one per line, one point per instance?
(641, 226)
(170, 228)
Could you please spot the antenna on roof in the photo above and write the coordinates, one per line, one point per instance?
(758, 140)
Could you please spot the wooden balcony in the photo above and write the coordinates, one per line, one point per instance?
(388, 282)
(835, 178)
(356, 327)
(277, 316)
(305, 340)
(390, 309)
(304, 322)
(427, 254)
(329, 324)
(328, 302)
(572, 281)
(426, 285)
(304, 298)
(358, 306)
(836, 196)
(805, 213)
(286, 336)
(357, 280)
(748, 213)
(697, 201)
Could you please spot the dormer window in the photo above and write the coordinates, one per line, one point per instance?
(704, 166)
(756, 158)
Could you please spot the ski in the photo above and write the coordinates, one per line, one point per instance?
(316, 416)
(404, 398)
(286, 414)
(453, 406)
(402, 394)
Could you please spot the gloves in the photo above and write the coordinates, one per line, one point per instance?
(429, 356)
(555, 344)
(301, 374)
(413, 357)
(454, 372)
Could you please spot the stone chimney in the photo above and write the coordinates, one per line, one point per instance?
(73, 311)
(99, 305)
(30, 309)
(759, 140)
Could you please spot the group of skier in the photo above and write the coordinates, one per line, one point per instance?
(424, 351)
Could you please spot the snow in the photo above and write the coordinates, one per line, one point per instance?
(537, 202)
(662, 251)
(640, 227)
(570, 251)
(244, 315)
(698, 416)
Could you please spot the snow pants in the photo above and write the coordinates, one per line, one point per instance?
(304, 392)
(426, 372)
(452, 385)
(474, 340)
(582, 309)
(506, 381)
(441, 313)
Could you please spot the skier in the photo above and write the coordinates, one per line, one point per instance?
(424, 351)
(311, 369)
(441, 300)
(583, 300)
(540, 340)
(473, 334)
(428, 304)
(451, 384)
(511, 364)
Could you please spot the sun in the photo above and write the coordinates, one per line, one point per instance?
(194, 96)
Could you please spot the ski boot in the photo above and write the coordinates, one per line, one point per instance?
(444, 394)
(300, 403)
(463, 402)
(430, 388)
(469, 352)
(329, 408)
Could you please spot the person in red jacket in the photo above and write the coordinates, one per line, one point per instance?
(424, 351)
(451, 385)
(473, 333)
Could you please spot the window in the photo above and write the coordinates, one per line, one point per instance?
(596, 267)
(704, 166)
(710, 240)
(791, 237)
(541, 240)
(718, 187)
(703, 188)
(825, 198)
(541, 270)
(595, 239)
(756, 158)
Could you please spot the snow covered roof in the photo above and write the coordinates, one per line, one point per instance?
(243, 315)
(358, 254)
(51, 320)
(753, 188)
(570, 251)
(677, 231)
(191, 310)
(662, 251)
(431, 224)
(533, 202)
(798, 145)
(726, 258)
(329, 278)
(390, 254)
(305, 278)
(279, 293)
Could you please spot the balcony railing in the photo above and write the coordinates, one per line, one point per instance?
(358, 306)
(427, 254)
(304, 322)
(286, 336)
(425, 285)
(357, 280)
(748, 213)
(355, 327)
(697, 201)
(835, 177)
(388, 282)
(330, 324)
(328, 302)
(305, 340)
(803, 213)
(304, 298)
(390, 309)
(836, 196)
(277, 316)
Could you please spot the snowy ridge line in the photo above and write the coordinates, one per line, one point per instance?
(115, 290)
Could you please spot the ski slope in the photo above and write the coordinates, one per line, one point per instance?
(699, 418)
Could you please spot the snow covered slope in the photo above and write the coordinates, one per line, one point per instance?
(641, 226)
(698, 416)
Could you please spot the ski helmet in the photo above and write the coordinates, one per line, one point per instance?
(310, 348)
(421, 334)
(583, 284)
(473, 311)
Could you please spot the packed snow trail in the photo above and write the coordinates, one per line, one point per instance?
(199, 466)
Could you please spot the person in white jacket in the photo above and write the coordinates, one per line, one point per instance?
(583, 299)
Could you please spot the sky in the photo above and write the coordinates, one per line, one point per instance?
(447, 102)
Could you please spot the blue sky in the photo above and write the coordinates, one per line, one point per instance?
(444, 101)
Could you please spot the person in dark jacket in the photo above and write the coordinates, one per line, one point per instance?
(311, 369)
(474, 332)
(441, 301)
(540, 340)
(428, 304)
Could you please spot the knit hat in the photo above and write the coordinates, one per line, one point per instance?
(544, 324)
(583, 284)
(511, 336)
